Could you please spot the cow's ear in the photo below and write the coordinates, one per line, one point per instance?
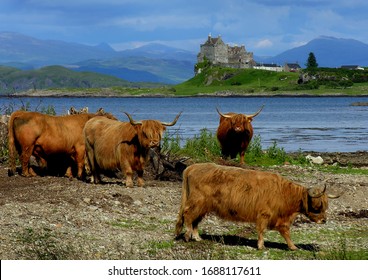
(130, 133)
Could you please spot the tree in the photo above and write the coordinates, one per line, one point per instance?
(312, 64)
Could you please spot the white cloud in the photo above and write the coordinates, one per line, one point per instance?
(265, 43)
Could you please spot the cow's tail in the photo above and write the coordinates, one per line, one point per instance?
(11, 146)
(184, 198)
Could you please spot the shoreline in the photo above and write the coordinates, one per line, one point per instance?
(40, 94)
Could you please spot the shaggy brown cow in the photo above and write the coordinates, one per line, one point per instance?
(46, 137)
(234, 133)
(114, 145)
(233, 193)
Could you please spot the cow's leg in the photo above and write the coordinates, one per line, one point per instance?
(79, 158)
(242, 154)
(68, 172)
(129, 179)
(140, 181)
(195, 234)
(27, 171)
(91, 164)
(285, 233)
(96, 178)
(127, 169)
(192, 216)
(261, 226)
(225, 152)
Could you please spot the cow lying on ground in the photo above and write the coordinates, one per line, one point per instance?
(46, 137)
(236, 194)
(121, 146)
(234, 133)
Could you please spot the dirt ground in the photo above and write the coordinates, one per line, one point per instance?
(58, 218)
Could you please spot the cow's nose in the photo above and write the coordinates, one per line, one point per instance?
(322, 221)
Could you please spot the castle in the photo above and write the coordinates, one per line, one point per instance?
(221, 54)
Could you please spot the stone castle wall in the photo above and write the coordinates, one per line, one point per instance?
(219, 53)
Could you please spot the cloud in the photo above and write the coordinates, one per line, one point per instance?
(265, 43)
(164, 21)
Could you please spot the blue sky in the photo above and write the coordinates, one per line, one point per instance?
(265, 27)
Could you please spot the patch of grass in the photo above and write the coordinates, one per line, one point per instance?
(205, 147)
(43, 244)
(154, 247)
(134, 224)
(336, 169)
(153, 224)
(202, 148)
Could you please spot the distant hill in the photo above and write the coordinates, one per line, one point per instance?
(329, 52)
(16, 80)
(18, 48)
(141, 68)
(159, 51)
(149, 63)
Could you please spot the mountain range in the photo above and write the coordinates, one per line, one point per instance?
(155, 62)
(329, 52)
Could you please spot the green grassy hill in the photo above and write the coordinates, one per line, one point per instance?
(216, 79)
(14, 80)
(248, 81)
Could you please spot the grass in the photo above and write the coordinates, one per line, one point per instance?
(205, 147)
(315, 243)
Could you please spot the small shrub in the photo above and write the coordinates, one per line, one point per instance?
(276, 153)
(255, 147)
(204, 147)
(49, 110)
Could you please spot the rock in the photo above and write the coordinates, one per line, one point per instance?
(314, 160)
(87, 200)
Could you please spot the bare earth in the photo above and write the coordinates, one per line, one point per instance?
(57, 218)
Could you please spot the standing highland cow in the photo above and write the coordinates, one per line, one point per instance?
(124, 146)
(234, 133)
(236, 194)
(45, 136)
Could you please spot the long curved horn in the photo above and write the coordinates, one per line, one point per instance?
(133, 122)
(333, 196)
(311, 194)
(254, 115)
(173, 122)
(221, 114)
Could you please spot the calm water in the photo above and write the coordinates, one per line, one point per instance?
(310, 124)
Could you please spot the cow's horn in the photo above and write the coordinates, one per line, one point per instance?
(315, 195)
(333, 196)
(173, 122)
(254, 115)
(133, 122)
(221, 114)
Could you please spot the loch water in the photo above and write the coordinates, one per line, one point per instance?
(322, 124)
